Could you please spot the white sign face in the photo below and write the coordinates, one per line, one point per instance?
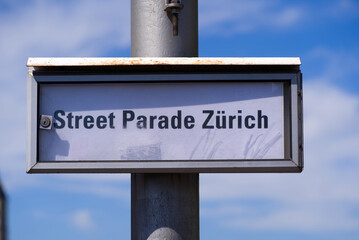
(162, 121)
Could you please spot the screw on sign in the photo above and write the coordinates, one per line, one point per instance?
(45, 122)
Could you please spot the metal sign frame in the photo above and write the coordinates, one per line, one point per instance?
(166, 70)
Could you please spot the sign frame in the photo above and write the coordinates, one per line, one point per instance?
(132, 70)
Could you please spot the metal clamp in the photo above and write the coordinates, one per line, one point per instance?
(173, 7)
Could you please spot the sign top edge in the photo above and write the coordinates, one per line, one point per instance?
(181, 61)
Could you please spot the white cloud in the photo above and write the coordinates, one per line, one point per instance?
(330, 112)
(296, 216)
(101, 185)
(82, 220)
(69, 28)
(299, 218)
(233, 16)
(337, 65)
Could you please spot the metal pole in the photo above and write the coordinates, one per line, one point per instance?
(164, 206)
(152, 32)
(2, 214)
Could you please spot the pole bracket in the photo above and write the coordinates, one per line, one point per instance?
(173, 7)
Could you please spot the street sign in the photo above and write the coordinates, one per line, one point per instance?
(164, 115)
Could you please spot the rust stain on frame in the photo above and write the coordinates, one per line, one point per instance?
(48, 62)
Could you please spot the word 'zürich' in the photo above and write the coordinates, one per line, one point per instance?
(209, 119)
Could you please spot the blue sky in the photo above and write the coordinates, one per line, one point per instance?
(320, 203)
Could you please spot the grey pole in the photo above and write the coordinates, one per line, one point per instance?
(164, 206)
(2, 214)
(152, 29)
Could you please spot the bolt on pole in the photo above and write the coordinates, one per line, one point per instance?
(166, 205)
